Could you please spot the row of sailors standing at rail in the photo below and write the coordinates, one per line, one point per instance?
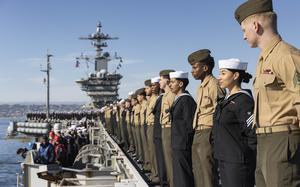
(246, 141)
(170, 134)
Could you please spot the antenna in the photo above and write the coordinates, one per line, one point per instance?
(47, 71)
(98, 41)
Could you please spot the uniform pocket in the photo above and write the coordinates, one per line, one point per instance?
(206, 101)
(268, 80)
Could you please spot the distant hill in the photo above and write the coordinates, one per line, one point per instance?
(43, 103)
(20, 110)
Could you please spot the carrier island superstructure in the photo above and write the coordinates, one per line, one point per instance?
(101, 86)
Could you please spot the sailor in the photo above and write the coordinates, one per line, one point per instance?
(234, 139)
(70, 148)
(158, 149)
(133, 101)
(141, 96)
(165, 120)
(101, 116)
(130, 94)
(136, 125)
(22, 152)
(113, 120)
(107, 115)
(152, 94)
(123, 127)
(45, 154)
(118, 121)
(51, 136)
(182, 113)
(81, 139)
(29, 148)
(128, 125)
(59, 151)
(276, 94)
(204, 166)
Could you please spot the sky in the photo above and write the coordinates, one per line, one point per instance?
(153, 35)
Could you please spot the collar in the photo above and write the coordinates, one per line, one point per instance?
(239, 92)
(265, 53)
(206, 80)
(182, 94)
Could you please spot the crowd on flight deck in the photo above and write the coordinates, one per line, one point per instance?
(225, 136)
(61, 145)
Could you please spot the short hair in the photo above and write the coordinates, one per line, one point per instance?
(266, 19)
(166, 76)
(210, 63)
(184, 81)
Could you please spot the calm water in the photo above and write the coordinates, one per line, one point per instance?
(9, 165)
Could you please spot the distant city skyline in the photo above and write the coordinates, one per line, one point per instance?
(153, 35)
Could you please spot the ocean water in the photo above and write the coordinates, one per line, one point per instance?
(9, 160)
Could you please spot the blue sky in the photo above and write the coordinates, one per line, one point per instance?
(154, 35)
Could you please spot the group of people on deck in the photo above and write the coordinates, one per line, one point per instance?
(226, 136)
(162, 127)
(60, 146)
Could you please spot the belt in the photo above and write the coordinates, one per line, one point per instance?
(202, 127)
(150, 124)
(165, 126)
(274, 129)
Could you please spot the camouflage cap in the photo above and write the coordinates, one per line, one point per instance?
(166, 72)
(251, 7)
(198, 56)
(140, 91)
(147, 82)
